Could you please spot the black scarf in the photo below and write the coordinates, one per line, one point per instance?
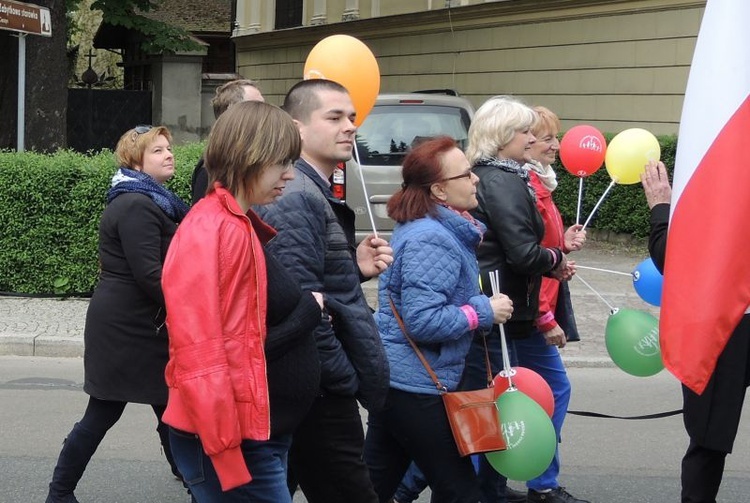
(129, 180)
(509, 166)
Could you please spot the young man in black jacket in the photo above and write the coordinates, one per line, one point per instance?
(316, 241)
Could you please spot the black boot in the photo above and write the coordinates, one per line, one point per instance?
(77, 450)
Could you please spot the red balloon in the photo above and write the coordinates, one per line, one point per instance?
(528, 382)
(582, 150)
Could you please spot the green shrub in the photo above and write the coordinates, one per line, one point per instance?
(50, 207)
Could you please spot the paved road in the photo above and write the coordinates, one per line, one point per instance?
(606, 461)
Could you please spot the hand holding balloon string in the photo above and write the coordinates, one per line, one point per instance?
(574, 238)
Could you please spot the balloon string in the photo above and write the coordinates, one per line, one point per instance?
(364, 190)
(578, 206)
(611, 308)
(506, 356)
(612, 184)
(604, 270)
(495, 285)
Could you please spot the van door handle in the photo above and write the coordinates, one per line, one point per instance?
(379, 199)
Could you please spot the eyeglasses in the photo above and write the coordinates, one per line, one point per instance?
(143, 128)
(467, 174)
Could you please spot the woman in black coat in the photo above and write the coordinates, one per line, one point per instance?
(500, 140)
(126, 346)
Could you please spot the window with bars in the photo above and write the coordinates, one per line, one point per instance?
(288, 13)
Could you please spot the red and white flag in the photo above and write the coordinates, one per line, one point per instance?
(707, 272)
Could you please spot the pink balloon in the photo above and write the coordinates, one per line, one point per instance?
(528, 382)
(582, 150)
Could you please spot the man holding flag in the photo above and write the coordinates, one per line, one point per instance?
(705, 310)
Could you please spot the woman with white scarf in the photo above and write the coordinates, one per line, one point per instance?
(555, 324)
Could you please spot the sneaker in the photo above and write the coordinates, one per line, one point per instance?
(513, 496)
(559, 495)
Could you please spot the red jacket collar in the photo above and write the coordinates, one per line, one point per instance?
(265, 232)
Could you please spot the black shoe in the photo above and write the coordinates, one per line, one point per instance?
(513, 496)
(559, 495)
(67, 499)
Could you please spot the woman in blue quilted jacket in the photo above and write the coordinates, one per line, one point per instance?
(433, 284)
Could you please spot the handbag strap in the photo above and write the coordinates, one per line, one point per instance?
(440, 387)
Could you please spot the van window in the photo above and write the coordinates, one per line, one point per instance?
(389, 131)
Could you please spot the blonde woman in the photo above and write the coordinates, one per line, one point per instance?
(500, 145)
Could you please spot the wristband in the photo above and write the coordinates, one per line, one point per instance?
(471, 316)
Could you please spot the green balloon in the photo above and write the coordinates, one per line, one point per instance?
(529, 434)
(632, 339)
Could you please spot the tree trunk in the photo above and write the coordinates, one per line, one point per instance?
(8, 86)
(46, 85)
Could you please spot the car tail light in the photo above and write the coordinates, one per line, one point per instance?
(338, 181)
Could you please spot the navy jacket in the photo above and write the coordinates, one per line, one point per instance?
(315, 242)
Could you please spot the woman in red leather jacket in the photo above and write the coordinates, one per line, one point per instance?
(215, 288)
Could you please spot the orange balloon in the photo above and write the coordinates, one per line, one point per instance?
(348, 61)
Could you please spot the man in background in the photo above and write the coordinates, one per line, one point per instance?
(234, 91)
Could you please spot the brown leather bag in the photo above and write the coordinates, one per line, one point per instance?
(473, 415)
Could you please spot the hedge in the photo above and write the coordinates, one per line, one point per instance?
(50, 207)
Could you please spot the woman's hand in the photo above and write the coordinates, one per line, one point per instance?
(565, 270)
(575, 237)
(555, 337)
(502, 307)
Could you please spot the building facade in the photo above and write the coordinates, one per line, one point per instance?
(614, 64)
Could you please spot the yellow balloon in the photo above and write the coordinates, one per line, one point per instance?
(628, 153)
(348, 61)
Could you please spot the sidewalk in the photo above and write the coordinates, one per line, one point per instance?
(53, 327)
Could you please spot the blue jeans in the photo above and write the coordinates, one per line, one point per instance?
(265, 460)
(533, 353)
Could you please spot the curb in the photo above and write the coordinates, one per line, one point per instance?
(41, 345)
(72, 347)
